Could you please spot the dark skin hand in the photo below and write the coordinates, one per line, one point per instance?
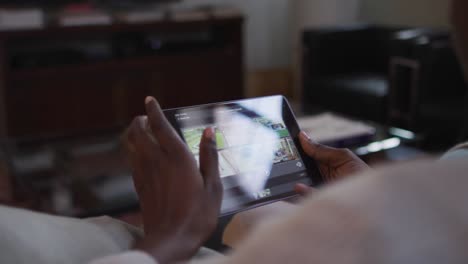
(180, 202)
(334, 164)
(178, 218)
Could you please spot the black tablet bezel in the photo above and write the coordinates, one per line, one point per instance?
(293, 127)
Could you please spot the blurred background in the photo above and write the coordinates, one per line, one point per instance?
(377, 76)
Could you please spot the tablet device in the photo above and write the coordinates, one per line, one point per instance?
(260, 158)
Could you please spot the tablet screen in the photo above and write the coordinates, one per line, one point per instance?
(259, 159)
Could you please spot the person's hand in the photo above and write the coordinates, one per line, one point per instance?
(180, 202)
(333, 163)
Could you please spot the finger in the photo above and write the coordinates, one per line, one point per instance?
(126, 142)
(209, 161)
(135, 143)
(160, 127)
(316, 150)
(302, 189)
(144, 153)
(140, 140)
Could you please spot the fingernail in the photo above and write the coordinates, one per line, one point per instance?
(147, 124)
(149, 99)
(210, 133)
(304, 134)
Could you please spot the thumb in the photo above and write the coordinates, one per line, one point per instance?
(303, 189)
(317, 151)
(209, 160)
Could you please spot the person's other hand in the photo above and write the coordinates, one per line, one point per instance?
(180, 201)
(333, 163)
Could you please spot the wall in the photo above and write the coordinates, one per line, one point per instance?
(406, 12)
(316, 13)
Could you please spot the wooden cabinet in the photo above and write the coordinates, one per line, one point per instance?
(88, 96)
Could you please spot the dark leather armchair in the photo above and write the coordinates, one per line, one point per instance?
(346, 70)
(428, 92)
(407, 78)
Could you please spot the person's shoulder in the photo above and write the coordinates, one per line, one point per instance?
(398, 180)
